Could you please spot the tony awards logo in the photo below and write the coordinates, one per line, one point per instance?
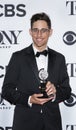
(43, 75)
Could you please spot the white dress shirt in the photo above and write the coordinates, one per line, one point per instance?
(42, 61)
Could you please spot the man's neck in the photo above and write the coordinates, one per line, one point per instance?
(40, 48)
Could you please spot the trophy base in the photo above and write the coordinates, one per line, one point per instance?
(42, 90)
(45, 96)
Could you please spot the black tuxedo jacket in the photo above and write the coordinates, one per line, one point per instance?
(21, 81)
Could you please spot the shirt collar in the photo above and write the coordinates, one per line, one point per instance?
(36, 50)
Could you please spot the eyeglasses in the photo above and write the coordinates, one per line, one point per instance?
(42, 31)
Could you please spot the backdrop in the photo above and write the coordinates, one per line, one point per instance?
(14, 35)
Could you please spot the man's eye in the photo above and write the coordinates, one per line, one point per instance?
(35, 30)
(43, 30)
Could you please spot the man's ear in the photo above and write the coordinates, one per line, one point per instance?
(30, 32)
(51, 31)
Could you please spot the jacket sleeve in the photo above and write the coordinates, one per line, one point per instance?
(10, 91)
(63, 88)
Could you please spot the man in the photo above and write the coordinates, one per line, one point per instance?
(22, 85)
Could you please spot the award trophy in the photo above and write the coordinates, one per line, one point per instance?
(43, 75)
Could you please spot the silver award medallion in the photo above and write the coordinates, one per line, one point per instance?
(43, 75)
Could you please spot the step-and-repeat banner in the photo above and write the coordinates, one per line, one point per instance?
(14, 35)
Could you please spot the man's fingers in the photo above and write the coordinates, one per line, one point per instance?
(35, 98)
(38, 95)
(50, 88)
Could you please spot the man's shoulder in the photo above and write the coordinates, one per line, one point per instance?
(55, 53)
(23, 51)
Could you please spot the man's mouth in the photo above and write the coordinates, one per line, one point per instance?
(39, 39)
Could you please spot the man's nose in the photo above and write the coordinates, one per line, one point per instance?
(39, 33)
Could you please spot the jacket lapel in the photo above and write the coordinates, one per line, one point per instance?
(51, 61)
(32, 61)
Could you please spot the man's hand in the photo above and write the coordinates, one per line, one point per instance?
(50, 89)
(35, 99)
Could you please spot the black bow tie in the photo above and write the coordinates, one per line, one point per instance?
(45, 52)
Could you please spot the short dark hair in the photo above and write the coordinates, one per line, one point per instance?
(41, 16)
